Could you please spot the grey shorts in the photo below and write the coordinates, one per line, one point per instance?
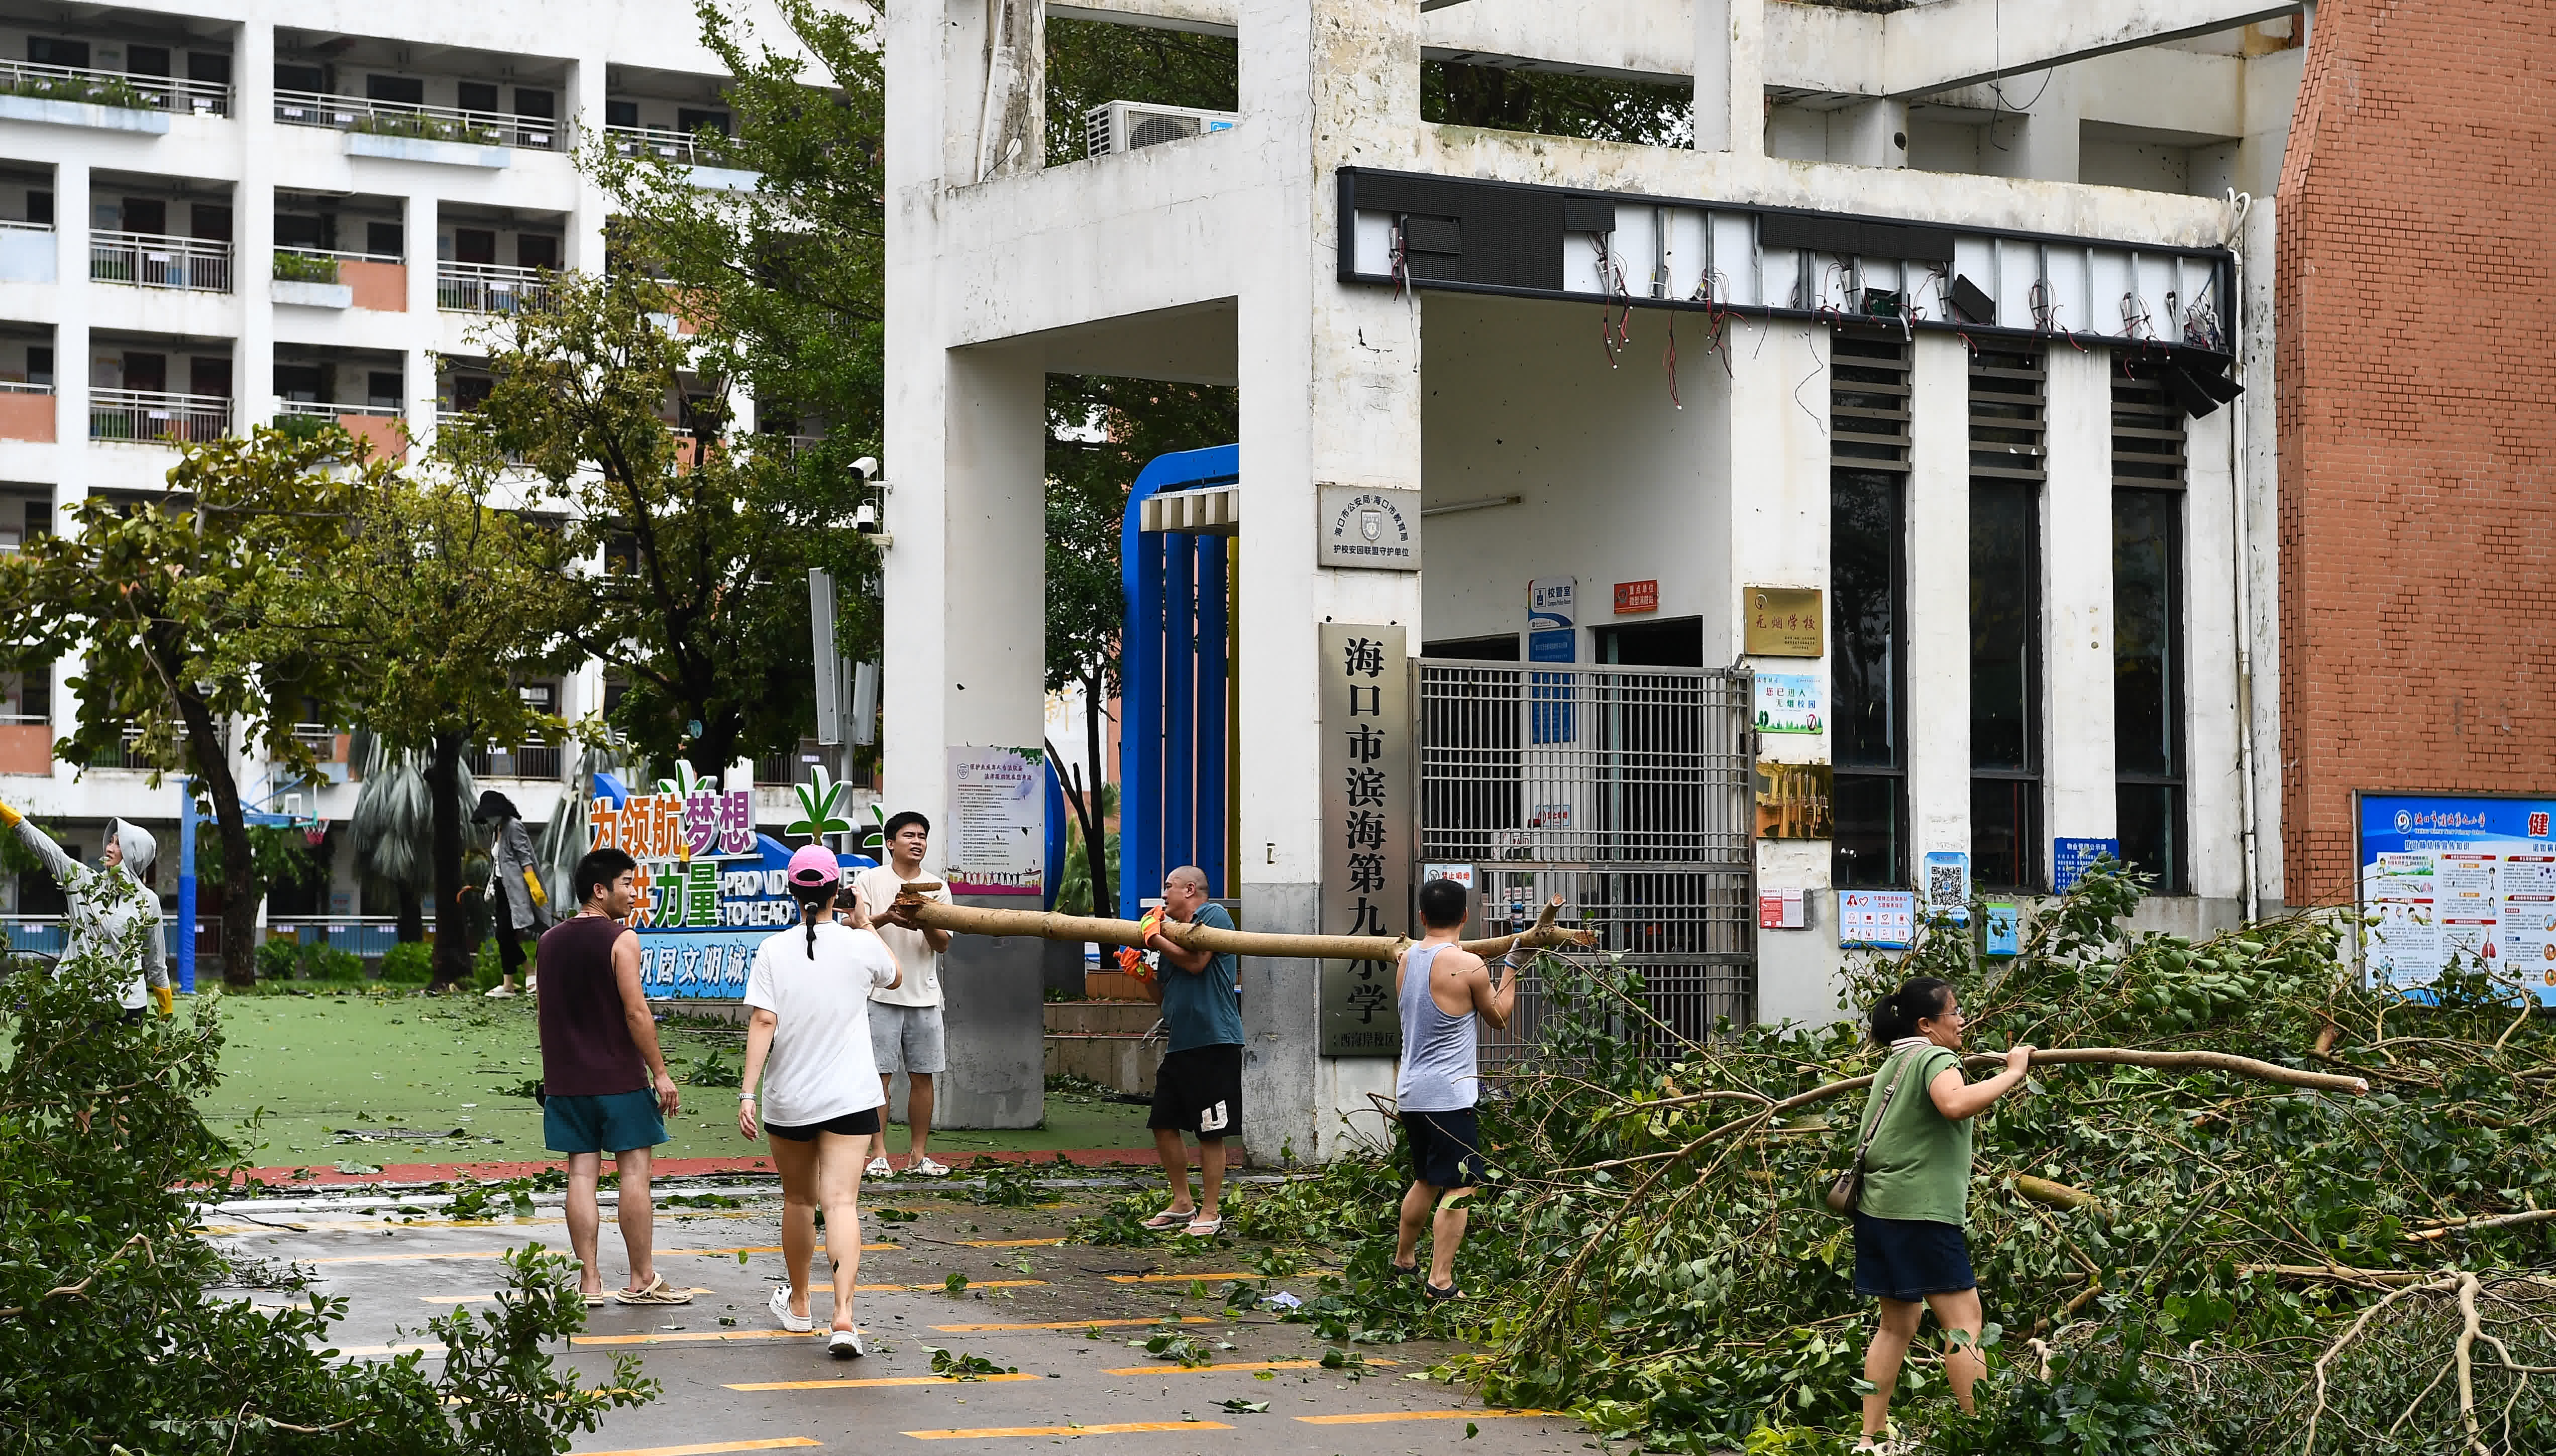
(906, 1038)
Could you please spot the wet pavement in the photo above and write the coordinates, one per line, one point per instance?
(1069, 1321)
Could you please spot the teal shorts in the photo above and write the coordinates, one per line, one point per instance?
(614, 1122)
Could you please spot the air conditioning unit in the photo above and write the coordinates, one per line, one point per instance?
(1123, 126)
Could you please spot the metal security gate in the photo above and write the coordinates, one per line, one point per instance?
(1627, 791)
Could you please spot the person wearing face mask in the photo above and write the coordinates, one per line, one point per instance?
(113, 914)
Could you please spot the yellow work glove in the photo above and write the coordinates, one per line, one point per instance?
(164, 999)
(532, 882)
(9, 817)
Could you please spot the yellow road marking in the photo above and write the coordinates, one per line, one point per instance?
(712, 1447)
(1067, 1324)
(772, 1248)
(476, 1299)
(405, 1257)
(1173, 1279)
(896, 1379)
(1120, 1428)
(1230, 1365)
(708, 1448)
(696, 1337)
(1011, 1243)
(1381, 1417)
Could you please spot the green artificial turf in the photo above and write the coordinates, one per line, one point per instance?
(322, 1066)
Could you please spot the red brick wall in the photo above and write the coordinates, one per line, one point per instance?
(2417, 416)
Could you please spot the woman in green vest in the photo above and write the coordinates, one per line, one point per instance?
(1909, 1251)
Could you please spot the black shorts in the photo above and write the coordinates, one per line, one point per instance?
(1909, 1258)
(851, 1125)
(1199, 1090)
(1445, 1148)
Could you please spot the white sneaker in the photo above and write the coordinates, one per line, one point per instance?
(925, 1167)
(500, 991)
(845, 1345)
(797, 1324)
(878, 1168)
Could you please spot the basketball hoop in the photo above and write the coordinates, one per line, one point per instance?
(315, 832)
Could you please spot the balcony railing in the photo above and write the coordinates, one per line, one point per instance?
(327, 411)
(653, 141)
(152, 260)
(518, 760)
(144, 417)
(114, 88)
(427, 123)
(488, 287)
(21, 386)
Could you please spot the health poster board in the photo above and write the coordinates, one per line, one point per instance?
(1876, 920)
(999, 823)
(2459, 879)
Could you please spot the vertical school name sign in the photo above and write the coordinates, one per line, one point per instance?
(1367, 817)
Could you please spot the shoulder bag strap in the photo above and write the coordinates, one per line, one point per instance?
(1883, 1110)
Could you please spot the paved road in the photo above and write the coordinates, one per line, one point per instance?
(732, 1383)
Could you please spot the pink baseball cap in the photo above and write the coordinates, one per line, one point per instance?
(814, 867)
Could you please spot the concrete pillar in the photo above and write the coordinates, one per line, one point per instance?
(1774, 458)
(416, 248)
(1871, 134)
(1938, 710)
(75, 300)
(2077, 595)
(583, 247)
(253, 227)
(1730, 76)
(2213, 786)
(1330, 393)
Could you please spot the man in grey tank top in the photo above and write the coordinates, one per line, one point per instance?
(1444, 993)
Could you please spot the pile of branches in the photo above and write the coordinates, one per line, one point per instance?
(2174, 1259)
(120, 1330)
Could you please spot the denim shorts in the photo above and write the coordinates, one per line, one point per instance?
(614, 1122)
(1910, 1258)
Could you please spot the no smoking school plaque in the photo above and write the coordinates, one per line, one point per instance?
(1784, 621)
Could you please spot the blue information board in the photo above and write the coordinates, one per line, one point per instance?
(2459, 880)
(2070, 859)
(2000, 928)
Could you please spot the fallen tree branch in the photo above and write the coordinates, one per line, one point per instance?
(2447, 1227)
(2055, 1195)
(74, 1291)
(968, 920)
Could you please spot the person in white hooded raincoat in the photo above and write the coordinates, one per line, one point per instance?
(114, 917)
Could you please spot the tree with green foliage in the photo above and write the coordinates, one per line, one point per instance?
(444, 606)
(1090, 63)
(1514, 100)
(700, 602)
(116, 1333)
(167, 603)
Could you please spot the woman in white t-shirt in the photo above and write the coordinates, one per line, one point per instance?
(808, 1044)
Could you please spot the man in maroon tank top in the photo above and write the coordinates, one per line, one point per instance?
(604, 1079)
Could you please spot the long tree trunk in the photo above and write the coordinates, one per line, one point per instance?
(240, 890)
(1083, 820)
(412, 921)
(1095, 832)
(443, 786)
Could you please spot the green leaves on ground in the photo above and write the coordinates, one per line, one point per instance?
(1655, 1258)
(958, 1365)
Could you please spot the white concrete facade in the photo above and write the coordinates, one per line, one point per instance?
(1217, 259)
(429, 236)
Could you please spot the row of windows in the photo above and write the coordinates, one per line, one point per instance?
(1868, 616)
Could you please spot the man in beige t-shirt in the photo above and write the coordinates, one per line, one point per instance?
(905, 1022)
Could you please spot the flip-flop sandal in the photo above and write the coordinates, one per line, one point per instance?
(1437, 1296)
(1166, 1220)
(1204, 1228)
(657, 1292)
(596, 1300)
(1409, 1271)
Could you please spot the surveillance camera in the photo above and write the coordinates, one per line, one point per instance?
(865, 519)
(866, 467)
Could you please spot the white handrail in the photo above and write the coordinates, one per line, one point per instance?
(428, 123)
(487, 287)
(328, 411)
(130, 89)
(160, 261)
(148, 418)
